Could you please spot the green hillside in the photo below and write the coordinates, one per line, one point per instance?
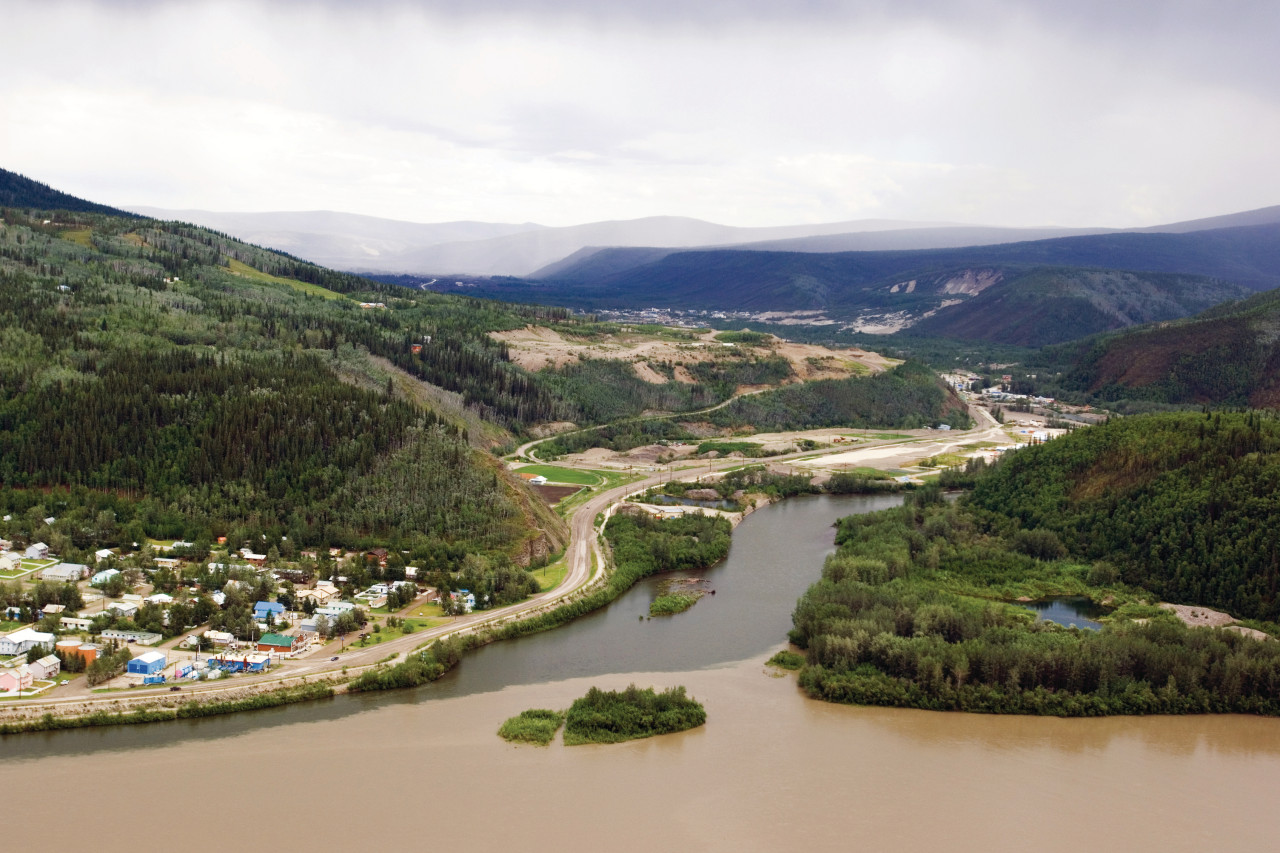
(162, 381)
(920, 606)
(21, 192)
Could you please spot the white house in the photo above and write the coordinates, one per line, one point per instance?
(10, 561)
(38, 551)
(103, 554)
(125, 609)
(65, 573)
(22, 641)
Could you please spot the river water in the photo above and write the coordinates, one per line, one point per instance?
(771, 770)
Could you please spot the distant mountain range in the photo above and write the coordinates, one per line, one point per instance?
(1027, 286)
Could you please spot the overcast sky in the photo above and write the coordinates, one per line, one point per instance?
(1060, 112)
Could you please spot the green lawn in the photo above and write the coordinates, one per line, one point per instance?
(550, 577)
(570, 476)
(243, 269)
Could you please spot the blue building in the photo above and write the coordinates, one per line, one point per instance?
(151, 663)
(265, 609)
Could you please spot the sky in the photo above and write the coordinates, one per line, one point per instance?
(1044, 112)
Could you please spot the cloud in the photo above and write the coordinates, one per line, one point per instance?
(744, 112)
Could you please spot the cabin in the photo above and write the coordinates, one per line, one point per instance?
(103, 554)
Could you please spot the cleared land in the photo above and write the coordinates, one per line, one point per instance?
(536, 347)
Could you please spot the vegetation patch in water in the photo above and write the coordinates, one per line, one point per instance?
(787, 659)
(536, 725)
(616, 716)
(672, 603)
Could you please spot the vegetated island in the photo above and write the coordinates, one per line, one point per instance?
(677, 596)
(918, 607)
(610, 717)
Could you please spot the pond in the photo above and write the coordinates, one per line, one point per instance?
(1069, 610)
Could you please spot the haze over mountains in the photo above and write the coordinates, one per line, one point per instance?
(358, 243)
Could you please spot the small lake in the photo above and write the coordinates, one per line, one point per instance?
(1068, 610)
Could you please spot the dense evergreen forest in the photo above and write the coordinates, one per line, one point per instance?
(917, 607)
(160, 380)
(908, 396)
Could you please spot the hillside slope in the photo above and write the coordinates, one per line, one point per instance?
(22, 192)
(164, 381)
(1229, 355)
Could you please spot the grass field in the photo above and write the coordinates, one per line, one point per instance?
(550, 577)
(249, 272)
(79, 236)
(556, 474)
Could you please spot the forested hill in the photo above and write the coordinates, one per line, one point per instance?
(1186, 505)
(1229, 355)
(160, 380)
(22, 192)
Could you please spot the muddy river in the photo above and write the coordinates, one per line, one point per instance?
(771, 770)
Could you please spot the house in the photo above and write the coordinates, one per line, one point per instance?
(467, 597)
(167, 562)
(124, 609)
(334, 610)
(219, 638)
(102, 577)
(103, 554)
(15, 680)
(53, 609)
(268, 610)
(411, 572)
(533, 479)
(22, 641)
(65, 573)
(46, 668)
(10, 561)
(76, 623)
(279, 644)
(159, 598)
(38, 551)
(330, 586)
(139, 638)
(318, 595)
(148, 663)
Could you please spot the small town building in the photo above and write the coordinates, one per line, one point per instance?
(138, 638)
(167, 562)
(76, 623)
(38, 551)
(124, 609)
(103, 554)
(184, 669)
(16, 680)
(53, 609)
(103, 576)
(46, 668)
(24, 640)
(250, 662)
(219, 638)
(268, 610)
(148, 663)
(10, 561)
(280, 644)
(159, 598)
(65, 573)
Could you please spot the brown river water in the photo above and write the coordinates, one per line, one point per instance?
(771, 770)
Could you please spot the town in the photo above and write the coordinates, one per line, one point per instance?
(177, 612)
